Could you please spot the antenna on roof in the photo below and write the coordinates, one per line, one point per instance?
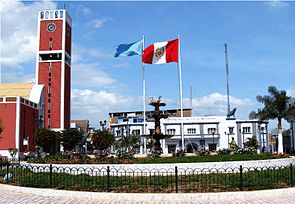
(64, 6)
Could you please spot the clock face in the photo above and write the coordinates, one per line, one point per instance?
(51, 27)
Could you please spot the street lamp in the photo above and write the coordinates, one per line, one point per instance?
(213, 132)
(243, 141)
(227, 139)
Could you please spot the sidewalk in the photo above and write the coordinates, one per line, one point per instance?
(13, 194)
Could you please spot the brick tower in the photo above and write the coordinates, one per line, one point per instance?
(53, 66)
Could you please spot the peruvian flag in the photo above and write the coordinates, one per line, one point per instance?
(161, 52)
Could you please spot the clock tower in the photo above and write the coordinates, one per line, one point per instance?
(53, 66)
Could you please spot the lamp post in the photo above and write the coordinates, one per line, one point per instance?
(243, 143)
(263, 140)
(103, 124)
(213, 132)
(227, 139)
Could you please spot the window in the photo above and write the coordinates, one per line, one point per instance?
(202, 143)
(211, 131)
(171, 131)
(56, 14)
(246, 129)
(46, 14)
(51, 14)
(135, 132)
(10, 99)
(50, 43)
(171, 148)
(212, 147)
(191, 131)
(50, 67)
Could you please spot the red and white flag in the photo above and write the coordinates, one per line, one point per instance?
(161, 52)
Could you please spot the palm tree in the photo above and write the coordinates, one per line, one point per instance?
(252, 143)
(128, 142)
(276, 106)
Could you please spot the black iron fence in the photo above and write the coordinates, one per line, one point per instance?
(178, 179)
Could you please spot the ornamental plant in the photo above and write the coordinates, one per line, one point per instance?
(70, 138)
(47, 139)
(102, 140)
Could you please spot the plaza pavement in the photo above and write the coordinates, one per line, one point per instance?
(14, 194)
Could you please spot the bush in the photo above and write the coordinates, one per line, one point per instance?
(179, 153)
(124, 155)
(155, 153)
(102, 153)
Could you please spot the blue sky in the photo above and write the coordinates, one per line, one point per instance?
(261, 52)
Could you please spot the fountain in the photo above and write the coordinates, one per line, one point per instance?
(157, 115)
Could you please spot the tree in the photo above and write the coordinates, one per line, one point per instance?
(276, 106)
(102, 139)
(70, 138)
(128, 142)
(47, 139)
(252, 144)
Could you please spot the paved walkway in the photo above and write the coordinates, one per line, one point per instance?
(13, 194)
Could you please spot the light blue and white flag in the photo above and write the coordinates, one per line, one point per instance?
(129, 49)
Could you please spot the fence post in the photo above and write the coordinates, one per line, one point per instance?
(7, 173)
(176, 179)
(50, 175)
(241, 178)
(108, 178)
(291, 174)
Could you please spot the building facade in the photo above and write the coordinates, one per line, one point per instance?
(25, 107)
(53, 66)
(200, 133)
(21, 114)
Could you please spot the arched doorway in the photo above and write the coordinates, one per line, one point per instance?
(191, 147)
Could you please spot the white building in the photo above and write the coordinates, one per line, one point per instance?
(207, 132)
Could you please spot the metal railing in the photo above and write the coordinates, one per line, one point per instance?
(142, 180)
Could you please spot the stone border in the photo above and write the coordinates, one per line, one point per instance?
(154, 197)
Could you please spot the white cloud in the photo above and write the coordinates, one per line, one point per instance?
(17, 77)
(95, 105)
(99, 22)
(81, 53)
(90, 75)
(276, 4)
(216, 104)
(19, 30)
(291, 92)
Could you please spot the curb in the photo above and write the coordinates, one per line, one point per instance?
(151, 197)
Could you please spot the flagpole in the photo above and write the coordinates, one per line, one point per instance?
(180, 93)
(144, 100)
